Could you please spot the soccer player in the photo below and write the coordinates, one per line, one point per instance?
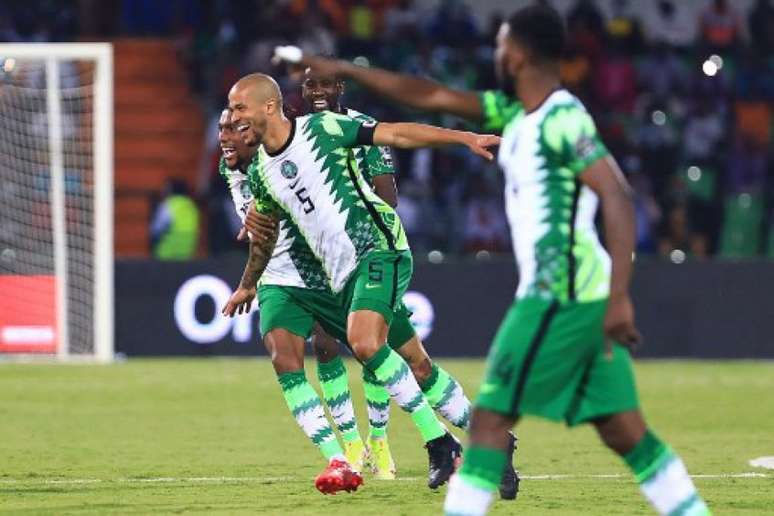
(443, 392)
(561, 351)
(332, 373)
(303, 173)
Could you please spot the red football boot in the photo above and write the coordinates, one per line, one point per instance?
(338, 476)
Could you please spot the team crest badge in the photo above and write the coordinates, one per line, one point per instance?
(288, 169)
(245, 189)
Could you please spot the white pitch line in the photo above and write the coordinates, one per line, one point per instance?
(235, 480)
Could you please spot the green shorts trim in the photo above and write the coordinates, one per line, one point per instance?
(549, 359)
(379, 282)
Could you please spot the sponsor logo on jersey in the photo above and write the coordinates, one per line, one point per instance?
(386, 156)
(585, 147)
(288, 169)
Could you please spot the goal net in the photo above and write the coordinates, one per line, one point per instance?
(56, 200)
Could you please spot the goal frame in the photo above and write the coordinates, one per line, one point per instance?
(103, 302)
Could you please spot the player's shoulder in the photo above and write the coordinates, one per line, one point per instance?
(498, 109)
(563, 103)
(564, 112)
(360, 117)
(227, 173)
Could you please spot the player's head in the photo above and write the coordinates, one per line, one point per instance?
(236, 152)
(532, 36)
(321, 92)
(255, 101)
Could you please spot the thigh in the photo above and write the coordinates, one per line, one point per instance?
(538, 358)
(379, 283)
(608, 387)
(286, 349)
(279, 308)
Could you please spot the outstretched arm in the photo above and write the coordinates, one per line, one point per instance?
(412, 136)
(605, 178)
(403, 89)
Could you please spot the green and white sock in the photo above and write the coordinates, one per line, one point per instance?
(378, 404)
(335, 387)
(663, 479)
(390, 369)
(306, 407)
(446, 396)
(472, 489)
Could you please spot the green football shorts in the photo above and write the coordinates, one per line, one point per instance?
(549, 359)
(296, 309)
(378, 283)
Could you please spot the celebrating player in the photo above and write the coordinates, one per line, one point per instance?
(561, 350)
(443, 392)
(302, 172)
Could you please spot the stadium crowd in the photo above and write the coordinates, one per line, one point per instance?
(682, 93)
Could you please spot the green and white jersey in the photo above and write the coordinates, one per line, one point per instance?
(292, 263)
(551, 213)
(314, 184)
(371, 160)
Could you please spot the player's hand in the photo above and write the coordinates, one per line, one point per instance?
(619, 322)
(295, 56)
(259, 225)
(242, 235)
(239, 302)
(478, 144)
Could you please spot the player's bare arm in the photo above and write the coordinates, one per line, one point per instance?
(412, 136)
(262, 227)
(384, 186)
(242, 298)
(425, 94)
(605, 178)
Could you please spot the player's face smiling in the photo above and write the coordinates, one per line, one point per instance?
(321, 92)
(247, 116)
(235, 151)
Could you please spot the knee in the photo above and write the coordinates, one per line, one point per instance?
(363, 347)
(285, 362)
(619, 434)
(421, 369)
(324, 350)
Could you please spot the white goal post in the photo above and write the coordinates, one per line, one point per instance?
(56, 200)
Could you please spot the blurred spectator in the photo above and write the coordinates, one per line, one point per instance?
(615, 81)
(690, 128)
(662, 73)
(720, 26)
(669, 22)
(761, 22)
(678, 240)
(174, 230)
(703, 132)
(647, 210)
(747, 166)
(624, 29)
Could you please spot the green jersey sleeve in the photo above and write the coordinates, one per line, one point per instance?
(341, 130)
(378, 160)
(497, 110)
(571, 136)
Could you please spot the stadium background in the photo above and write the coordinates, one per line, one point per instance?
(681, 90)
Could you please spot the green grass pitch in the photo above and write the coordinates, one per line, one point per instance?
(214, 437)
